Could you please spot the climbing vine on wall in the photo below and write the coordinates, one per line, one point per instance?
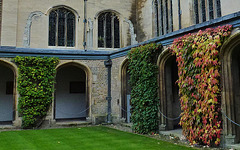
(197, 56)
(36, 77)
(143, 81)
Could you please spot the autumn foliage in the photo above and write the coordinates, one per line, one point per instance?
(197, 56)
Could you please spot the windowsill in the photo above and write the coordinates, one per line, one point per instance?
(102, 48)
(61, 47)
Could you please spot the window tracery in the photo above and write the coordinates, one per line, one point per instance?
(163, 21)
(61, 28)
(108, 30)
(206, 10)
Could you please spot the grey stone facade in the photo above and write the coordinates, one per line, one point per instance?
(137, 23)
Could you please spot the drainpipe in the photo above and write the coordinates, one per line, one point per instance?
(85, 25)
(179, 15)
(108, 64)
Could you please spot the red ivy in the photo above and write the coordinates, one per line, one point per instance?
(197, 56)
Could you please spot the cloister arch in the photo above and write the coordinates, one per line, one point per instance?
(125, 92)
(72, 96)
(168, 92)
(8, 98)
(230, 75)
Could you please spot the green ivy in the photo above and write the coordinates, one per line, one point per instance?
(143, 80)
(198, 61)
(36, 78)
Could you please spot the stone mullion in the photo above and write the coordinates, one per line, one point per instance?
(155, 13)
(104, 30)
(112, 31)
(170, 20)
(160, 17)
(199, 11)
(167, 16)
(65, 33)
(56, 38)
(164, 17)
(207, 9)
(215, 8)
(0, 19)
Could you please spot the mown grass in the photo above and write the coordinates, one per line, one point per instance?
(85, 138)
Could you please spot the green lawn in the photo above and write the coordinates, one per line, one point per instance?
(85, 138)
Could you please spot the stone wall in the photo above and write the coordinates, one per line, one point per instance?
(144, 14)
(97, 87)
(0, 18)
(16, 15)
(116, 88)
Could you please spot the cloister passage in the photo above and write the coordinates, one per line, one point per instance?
(70, 97)
(172, 98)
(235, 67)
(126, 92)
(6, 94)
(169, 99)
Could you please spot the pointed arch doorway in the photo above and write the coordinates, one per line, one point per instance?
(7, 104)
(71, 102)
(169, 98)
(126, 93)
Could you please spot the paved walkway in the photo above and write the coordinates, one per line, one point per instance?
(176, 132)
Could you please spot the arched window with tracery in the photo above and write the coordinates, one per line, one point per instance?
(206, 10)
(61, 28)
(162, 17)
(108, 30)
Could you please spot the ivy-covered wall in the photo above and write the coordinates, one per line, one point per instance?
(143, 81)
(35, 86)
(197, 56)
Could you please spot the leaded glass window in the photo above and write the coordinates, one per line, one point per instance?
(218, 7)
(108, 30)
(162, 13)
(206, 10)
(61, 28)
(156, 16)
(203, 9)
(196, 11)
(211, 15)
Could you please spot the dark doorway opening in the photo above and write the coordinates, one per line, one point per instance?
(173, 108)
(6, 95)
(70, 97)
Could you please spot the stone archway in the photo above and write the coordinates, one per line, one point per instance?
(126, 92)
(230, 79)
(71, 96)
(235, 67)
(169, 99)
(7, 93)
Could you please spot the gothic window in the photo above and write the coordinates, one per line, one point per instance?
(206, 10)
(61, 28)
(162, 13)
(218, 7)
(108, 30)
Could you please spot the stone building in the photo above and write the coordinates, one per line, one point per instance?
(92, 38)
